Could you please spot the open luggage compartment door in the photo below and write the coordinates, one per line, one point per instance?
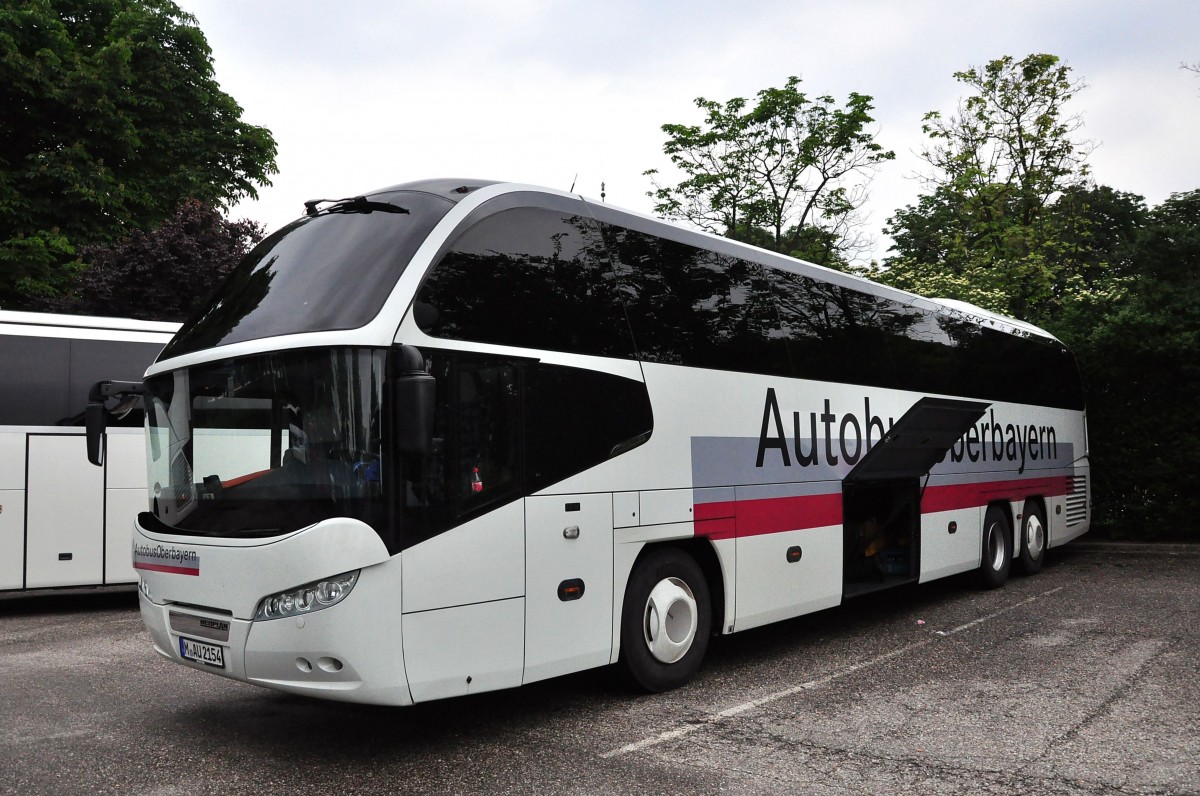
(917, 441)
(881, 495)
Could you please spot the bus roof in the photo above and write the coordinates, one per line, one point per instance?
(89, 322)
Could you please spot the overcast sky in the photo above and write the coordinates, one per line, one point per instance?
(362, 94)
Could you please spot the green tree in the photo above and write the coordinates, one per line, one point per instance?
(1139, 353)
(986, 232)
(112, 119)
(787, 172)
(165, 274)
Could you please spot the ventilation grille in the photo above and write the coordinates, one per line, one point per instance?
(1077, 502)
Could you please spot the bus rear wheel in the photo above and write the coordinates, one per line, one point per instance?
(1033, 538)
(665, 620)
(997, 549)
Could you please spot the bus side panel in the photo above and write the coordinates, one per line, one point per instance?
(464, 607)
(945, 553)
(569, 543)
(12, 538)
(65, 515)
(465, 649)
(479, 561)
(12, 510)
(125, 497)
(771, 586)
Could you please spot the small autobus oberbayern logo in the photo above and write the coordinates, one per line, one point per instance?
(166, 558)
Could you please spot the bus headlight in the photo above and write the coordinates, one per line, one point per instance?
(307, 598)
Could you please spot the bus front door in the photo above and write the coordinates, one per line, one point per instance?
(568, 583)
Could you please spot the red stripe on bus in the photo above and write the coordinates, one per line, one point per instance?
(165, 568)
(768, 515)
(965, 496)
(714, 511)
(731, 519)
(722, 528)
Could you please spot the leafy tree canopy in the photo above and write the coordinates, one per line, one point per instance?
(990, 229)
(1011, 221)
(165, 274)
(1139, 353)
(112, 119)
(786, 172)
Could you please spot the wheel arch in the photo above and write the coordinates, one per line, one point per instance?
(1005, 505)
(1040, 501)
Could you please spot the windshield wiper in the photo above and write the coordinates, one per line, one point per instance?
(353, 204)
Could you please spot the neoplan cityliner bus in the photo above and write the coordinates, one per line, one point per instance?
(457, 436)
(63, 523)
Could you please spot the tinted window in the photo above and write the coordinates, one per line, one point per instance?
(1021, 367)
(49, 377)
(690, 306)
(528, 277)
(838, 334)
(479, 425)
(34, 391)
(505, 428)
(576, 419)
(330, 271)
(475, 462)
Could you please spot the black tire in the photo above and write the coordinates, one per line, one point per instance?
(997, 548)
(1034, 537)
(673, 656)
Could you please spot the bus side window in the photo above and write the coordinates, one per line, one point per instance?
(576, 419)
(558, 290)
(40, 396)
(488, 432)
(485, 452)
(691, 306)
(476, 451)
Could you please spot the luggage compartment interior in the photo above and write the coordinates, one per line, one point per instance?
(881, 538)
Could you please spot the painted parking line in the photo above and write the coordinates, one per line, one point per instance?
(736, 710)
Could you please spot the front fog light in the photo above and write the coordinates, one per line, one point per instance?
(307, 598)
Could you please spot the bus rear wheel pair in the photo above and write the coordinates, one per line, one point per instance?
(998, 543)
(666, 620)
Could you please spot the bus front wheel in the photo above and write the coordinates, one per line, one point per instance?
(997, 548)
(665, 620)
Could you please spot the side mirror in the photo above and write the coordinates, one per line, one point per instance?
(414, 392)
(96, 415)
(96, 420)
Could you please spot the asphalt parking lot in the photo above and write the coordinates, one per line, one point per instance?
(1084, 679)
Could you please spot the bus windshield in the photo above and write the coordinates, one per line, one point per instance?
(267, 444)
(332, 270)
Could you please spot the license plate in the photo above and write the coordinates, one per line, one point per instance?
(208, 654)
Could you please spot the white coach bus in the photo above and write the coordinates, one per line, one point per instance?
(450, 437)
(62, 522)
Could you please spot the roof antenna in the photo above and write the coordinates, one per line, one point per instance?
(573, 183)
